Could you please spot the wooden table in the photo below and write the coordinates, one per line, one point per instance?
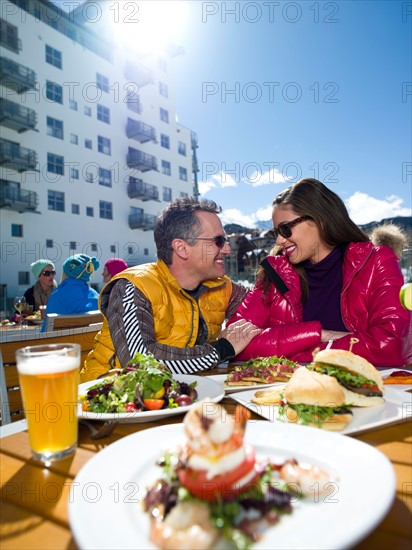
(34, 499)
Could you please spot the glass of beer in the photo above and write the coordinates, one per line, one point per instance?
(49, 378)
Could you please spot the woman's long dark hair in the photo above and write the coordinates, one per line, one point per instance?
(310, 197)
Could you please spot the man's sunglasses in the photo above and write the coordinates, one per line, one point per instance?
(48, 273)
(285, 229)
(219, 240)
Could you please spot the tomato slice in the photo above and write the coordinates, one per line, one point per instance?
(153, 404)
(223, 486)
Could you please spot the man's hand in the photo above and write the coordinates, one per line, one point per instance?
(239, 334)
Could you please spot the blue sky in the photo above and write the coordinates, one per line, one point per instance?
(278, 90)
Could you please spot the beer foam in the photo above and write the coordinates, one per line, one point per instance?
(47, 364)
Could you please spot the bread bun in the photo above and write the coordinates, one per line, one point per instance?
(358, 400)
(351, 362)
(335, 423)
(307, 387)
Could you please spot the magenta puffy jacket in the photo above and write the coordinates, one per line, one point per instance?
(370, 310)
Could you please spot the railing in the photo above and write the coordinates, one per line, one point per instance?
(17, 117)
(140, 131)
(142, 161)
(14, 198)
(138, 189)
(15, 76)
(142, 221)
(17, 157)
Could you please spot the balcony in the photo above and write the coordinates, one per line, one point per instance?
(140, 131)
(142, 221)
(16, 157)
(138, 73)
(15, 76)
(142, 161)
(138, 189)
(14, 198)
(17, 117)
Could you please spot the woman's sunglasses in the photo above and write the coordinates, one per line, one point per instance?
(219, 240)
(48, 273)
(285, 229)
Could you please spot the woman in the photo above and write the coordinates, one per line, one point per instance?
(73, 295)
(326, 283)
(39, 294)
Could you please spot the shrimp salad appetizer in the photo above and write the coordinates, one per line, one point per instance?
(214, 493)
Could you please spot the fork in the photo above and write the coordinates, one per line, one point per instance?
(104, 429)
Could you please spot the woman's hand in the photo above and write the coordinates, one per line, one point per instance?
(330, 335)
(239, 334)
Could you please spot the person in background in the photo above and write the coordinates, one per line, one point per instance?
(73, 295)
(326, 283)
(112, 267)
(39, 294)
(174, 308)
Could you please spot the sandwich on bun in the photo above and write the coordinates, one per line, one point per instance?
(361, 383)
(315, 399)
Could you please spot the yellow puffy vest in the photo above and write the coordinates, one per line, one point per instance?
(176, 314)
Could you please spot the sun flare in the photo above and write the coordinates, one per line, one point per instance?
(150, 25)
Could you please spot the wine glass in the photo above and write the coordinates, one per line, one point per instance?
(20, 305)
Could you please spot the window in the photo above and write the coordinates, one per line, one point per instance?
(74, 174)
(102, 82)
(106, 210)
(54, 127)
(89, 177)
(87, 111)
(24, 278)
(74, 138)
(164, 115)
(181, 148)
(93, 247)
(167, 194)
(55, 164)
(166, 168)
(103, 145)
(54, 57)
(88, 143)
(184, 195)
(49, 243)
(75, 209)
(89, 211)
(165, 141)
(130, 250)
(182, 173)
(105, 177)
(54, 92)
(73, 105)
(73, 245)
(55, 201)
(113, 248)
(163, 89)
(145, 252)
(162, 64)
(133, 101)
(103, 114)
(16, 230)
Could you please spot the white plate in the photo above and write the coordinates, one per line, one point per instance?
(205, 389)
(397, 408)
(104, 494)
(220, 379)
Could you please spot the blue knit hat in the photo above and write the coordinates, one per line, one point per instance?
(80, 266)
(38, 266)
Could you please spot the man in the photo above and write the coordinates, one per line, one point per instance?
(174, 308)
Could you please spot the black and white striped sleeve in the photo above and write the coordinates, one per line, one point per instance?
(130, 319)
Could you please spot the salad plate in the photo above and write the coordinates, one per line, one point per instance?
(103, 495)
(205, 388)
(220, 379)
(396, 408)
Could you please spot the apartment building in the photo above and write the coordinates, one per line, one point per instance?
(90, 149)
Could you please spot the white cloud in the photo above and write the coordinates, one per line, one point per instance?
(259, 177)
(234, 215)
(364, 209)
